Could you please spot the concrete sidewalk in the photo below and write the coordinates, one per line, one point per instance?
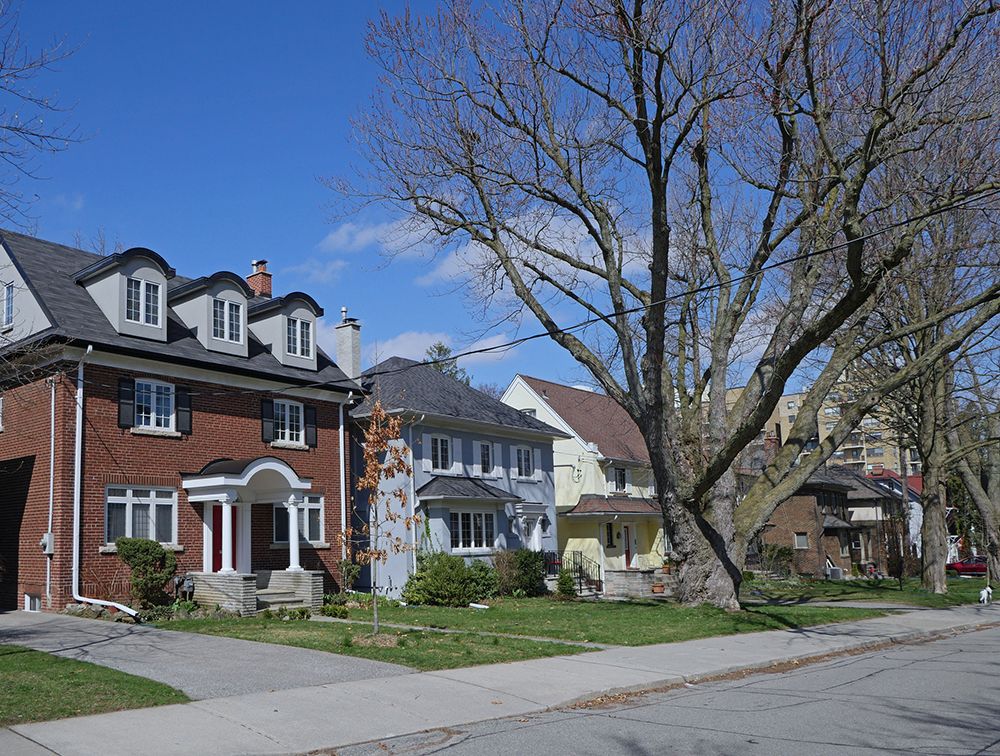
(327, 716)
(203, 666)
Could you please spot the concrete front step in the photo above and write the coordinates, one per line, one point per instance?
(273, 598)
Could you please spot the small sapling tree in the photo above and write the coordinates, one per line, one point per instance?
(386, 476)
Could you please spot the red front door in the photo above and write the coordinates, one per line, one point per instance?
(217, 538)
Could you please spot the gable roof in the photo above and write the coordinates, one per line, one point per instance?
(862, 488)
(50, 270)
(408, 385)
(596, 418)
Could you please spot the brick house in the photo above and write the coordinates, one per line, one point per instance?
(816, 524)
(196, 412)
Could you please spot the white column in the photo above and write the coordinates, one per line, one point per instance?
(227, 535)
(293, 535)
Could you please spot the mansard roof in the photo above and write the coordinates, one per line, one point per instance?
(52, 271)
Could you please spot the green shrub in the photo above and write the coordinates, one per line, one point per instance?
(748, 576)
(440, 580)
(151, 565)
(505, 569)
(530, 571)
(565, 584)
(267, 614)
(349, 574)
(333, 610)
(484, 580)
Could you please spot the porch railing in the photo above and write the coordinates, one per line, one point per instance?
(585, 570)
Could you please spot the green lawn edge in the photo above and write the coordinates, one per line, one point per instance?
(38, 687)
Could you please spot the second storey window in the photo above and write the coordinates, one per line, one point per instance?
(288, 422)
(525, 462)
(154, 405)
(299, 338)
(142, 302)
(440, 453)
(227, 321)
(7, 310)
(619, 479)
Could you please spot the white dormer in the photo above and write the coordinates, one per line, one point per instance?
(131, 290)
(287, 327)
(215, 309)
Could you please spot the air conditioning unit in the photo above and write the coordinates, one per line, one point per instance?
(835, 573)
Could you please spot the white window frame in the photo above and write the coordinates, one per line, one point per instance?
(457, 534)
(831, 411)
(311, 503)
(796, 544)
(151, 318)
(441, 463)
(299, 338)
(156, 419)
(7, 309)
(478, 469)
(791, 405)
(229, 308)
(284, 411)
(517, 457)
(131, 500)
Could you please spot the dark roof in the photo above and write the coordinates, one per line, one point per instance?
(862, 488)
(443, 487)
(49, 270)
(835, 523)
(403, 384)
(614, 505)
(821, 478)
(597, 418)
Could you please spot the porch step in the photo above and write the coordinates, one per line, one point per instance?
(272, 598)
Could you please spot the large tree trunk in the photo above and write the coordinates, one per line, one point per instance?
(933, 499)
(712, 569)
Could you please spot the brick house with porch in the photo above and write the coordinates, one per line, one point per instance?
(196, 412)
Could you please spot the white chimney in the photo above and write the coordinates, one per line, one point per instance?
(349, 345)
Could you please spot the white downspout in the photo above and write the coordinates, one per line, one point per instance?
(77, 484)
(52, 487)
(413, 494)
(343, 482)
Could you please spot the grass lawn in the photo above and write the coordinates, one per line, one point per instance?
(622, 623)
(960, 591)
(35, 687)
(421, 650)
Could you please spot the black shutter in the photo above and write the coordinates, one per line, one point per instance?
(183, 399)
(126, 402)
(267, 420)
(310, 413)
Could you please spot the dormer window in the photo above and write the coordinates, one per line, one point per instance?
(299, 338)
(142, 302)
(227, 321)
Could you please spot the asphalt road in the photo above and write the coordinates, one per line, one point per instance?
(937, 697)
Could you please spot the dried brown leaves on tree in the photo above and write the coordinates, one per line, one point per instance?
(386, 479)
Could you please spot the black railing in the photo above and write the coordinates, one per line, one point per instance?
(585, 570)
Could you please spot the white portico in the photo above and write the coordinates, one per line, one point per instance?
(228, 488)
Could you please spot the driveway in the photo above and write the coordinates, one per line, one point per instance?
(203, 666)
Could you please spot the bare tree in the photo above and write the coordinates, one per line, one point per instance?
(31, 122)
(692, 180)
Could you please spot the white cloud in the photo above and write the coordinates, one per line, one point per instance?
(412, 345)
(487, 357)
(351, 237)
(73, 202)
(326, 336)
(322, 271)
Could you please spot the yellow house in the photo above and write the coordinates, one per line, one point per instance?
(606, 509)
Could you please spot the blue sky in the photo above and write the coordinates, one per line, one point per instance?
(208, 126)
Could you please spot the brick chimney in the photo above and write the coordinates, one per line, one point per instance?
(349, 345)
(260, 279)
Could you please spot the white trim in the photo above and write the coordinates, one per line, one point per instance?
(153, 386)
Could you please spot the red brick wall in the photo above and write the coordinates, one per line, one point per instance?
(225, 423)
(798, 515)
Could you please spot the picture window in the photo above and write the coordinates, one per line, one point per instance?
(140, 513)
(472, 530)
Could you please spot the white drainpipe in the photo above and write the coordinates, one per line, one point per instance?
(52, 488)
(413, 493)
(343, 481)
(77, 483)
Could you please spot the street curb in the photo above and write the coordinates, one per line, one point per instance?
(847, 647)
